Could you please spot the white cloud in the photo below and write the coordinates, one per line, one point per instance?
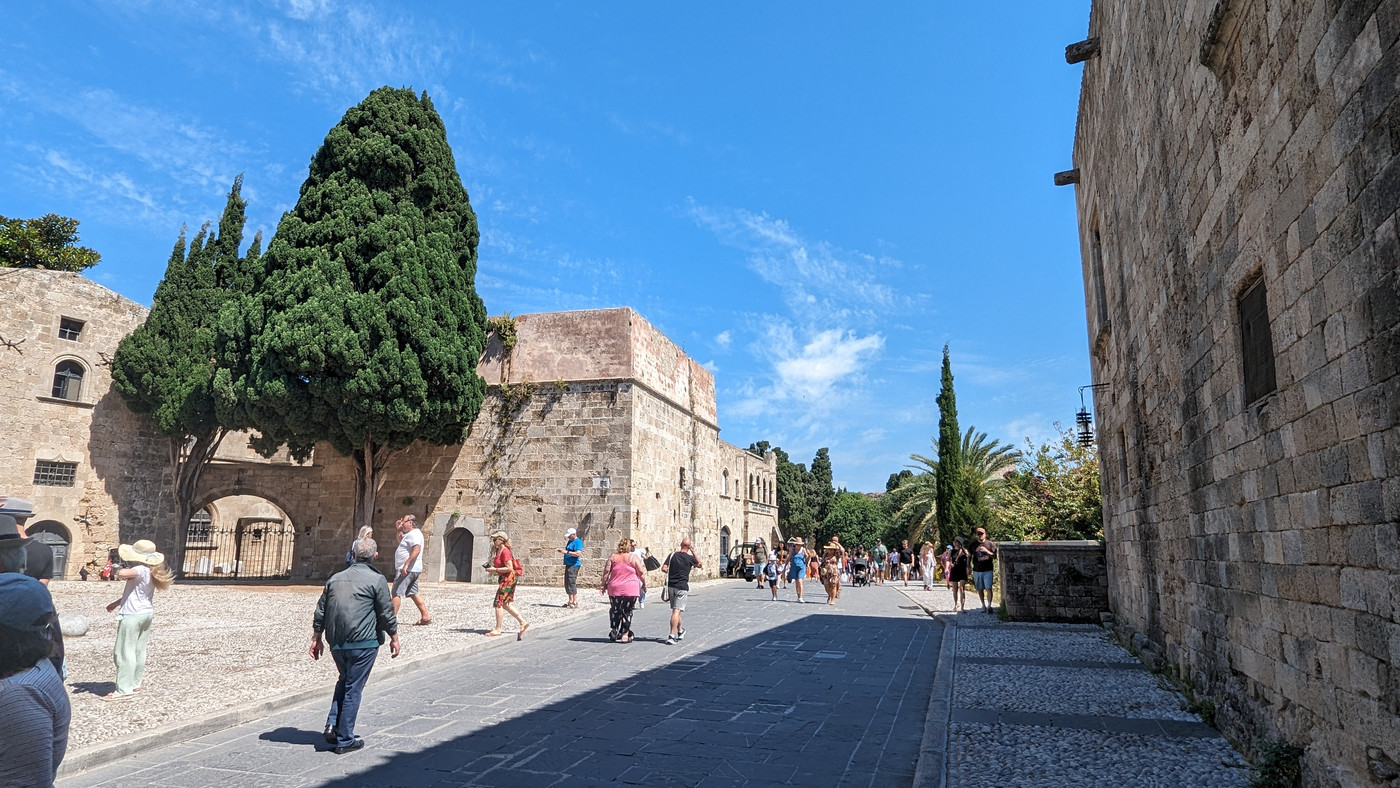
(820, 282)
(831, 357)
(723, 339)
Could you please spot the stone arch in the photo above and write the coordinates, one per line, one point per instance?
(258, 540)
(70, 376)
(58, 538)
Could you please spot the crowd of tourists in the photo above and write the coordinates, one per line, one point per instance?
(358, 610)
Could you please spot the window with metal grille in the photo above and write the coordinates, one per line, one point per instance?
(68, 380)
(70, 329)
(201, 527)
(1256, 344)
(55, 474)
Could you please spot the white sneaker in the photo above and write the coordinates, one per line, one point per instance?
(680, 635)
(641, 605)
(670, 640)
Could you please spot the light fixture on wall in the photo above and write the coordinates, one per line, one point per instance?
(1084, 418)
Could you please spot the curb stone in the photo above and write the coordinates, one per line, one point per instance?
(931, 771)
(177, 733)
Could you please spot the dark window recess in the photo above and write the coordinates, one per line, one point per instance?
(1096, 271)
(1256, 344)
(55, 474)
(201, 527)
(71, 329)
(68, 380)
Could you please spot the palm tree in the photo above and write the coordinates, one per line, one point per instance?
(985, 461)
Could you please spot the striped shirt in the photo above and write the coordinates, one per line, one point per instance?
(34, 706)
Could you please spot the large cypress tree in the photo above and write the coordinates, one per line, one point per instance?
(948, 475)
(821, 492)
(165, 368)
(364, 328)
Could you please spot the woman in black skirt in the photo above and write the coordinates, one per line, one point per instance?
(958, 575)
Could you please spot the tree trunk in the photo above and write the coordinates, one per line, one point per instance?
(189, 456)
(369, 477)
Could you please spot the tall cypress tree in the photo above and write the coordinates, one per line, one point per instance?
(364, 327)
(947, 478)
(165, 368)
(822, 491)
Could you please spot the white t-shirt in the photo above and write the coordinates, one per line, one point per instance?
(139, 595)
(413, 537)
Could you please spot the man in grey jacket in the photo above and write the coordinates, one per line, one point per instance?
(355, 613)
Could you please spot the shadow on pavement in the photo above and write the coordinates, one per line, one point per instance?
(93, 687)
(824, 700)
(288, 735)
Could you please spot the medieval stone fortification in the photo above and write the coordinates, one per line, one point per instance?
(594, 420)
(1238, 186)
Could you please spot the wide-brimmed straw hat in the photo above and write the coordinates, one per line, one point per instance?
(142, 552)
(797, 540)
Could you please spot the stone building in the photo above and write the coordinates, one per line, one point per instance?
(1238, 182)
(594, 420)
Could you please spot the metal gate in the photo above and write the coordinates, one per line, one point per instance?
(253, 549)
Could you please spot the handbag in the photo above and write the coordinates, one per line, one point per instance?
(665, 593)
(651, 563)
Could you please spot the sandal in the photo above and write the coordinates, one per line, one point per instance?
(521, 634)
(423, 622)
(495, 633)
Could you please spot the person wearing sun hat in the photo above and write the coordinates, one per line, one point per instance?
(797, 564)
(144, 572)
(33, 701)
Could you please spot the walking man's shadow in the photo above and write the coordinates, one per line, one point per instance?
(98, 688)
(286, 735)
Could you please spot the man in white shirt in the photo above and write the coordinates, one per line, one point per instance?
(408, 565)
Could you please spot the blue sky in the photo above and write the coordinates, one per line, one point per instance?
(812, 198)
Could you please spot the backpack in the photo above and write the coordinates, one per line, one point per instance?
(516, 567)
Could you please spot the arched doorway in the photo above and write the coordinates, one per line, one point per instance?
(53, 534)
(724, 550)
(239, 537)
(458, 566)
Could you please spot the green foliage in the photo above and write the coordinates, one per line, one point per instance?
(513, 399)
(897, 479)
(504, 328)
(947, 505)
(165, 368)
(1053, 493)
(1277, 764)
(793, 482)
(856, 518)
(364, 328)
(913, 504)
(820, 492)
(50, 241)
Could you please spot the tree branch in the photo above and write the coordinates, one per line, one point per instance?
(12, 344)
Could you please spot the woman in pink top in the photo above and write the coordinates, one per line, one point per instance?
(624, 578)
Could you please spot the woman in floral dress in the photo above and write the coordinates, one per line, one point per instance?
(503, 564)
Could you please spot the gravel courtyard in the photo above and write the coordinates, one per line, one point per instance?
(214, 647)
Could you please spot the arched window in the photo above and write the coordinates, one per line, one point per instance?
(752, 489)
(68, 380)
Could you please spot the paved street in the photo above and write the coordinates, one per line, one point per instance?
(759, 691)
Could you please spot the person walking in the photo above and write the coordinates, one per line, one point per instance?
(760, 559)
(641, 555)
(957, 575)
(624, 581)
(984, 556)
(33, 701)
(145, 573)
(366, 532)
(354, 613)
(16, 557)
(946, 559)
(881, 555)
(771, 572)
(677, 568)
(927, 561)
(830, 572)
(573, 561)
(906, 561)
(408, 565)
(797, 563)
(504, 565)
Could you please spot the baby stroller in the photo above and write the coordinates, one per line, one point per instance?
(860, 573)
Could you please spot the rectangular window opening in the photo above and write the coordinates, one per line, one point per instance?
(1256, 344)
(70, 329)
(55, 474)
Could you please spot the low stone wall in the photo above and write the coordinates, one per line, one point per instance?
(1053, 581)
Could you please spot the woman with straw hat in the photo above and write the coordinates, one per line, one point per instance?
(144, 571)
(797, 564)
(503, 564)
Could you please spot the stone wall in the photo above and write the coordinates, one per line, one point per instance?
(121, 463)
(1053, 581)
(1221, 145)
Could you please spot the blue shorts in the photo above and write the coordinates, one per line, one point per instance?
(796, 573)
(982, 581)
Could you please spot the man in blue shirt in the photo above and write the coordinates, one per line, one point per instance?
(573, 559)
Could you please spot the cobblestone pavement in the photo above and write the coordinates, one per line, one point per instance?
(192, 671)
(1062, 704)
(758, 692)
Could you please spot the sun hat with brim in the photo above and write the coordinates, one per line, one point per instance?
(797, 540)
(500, 535)
(9, 533)
(25, 603)
(142, 552)
(18, 508)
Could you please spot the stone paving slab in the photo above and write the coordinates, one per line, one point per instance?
(758, 692)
